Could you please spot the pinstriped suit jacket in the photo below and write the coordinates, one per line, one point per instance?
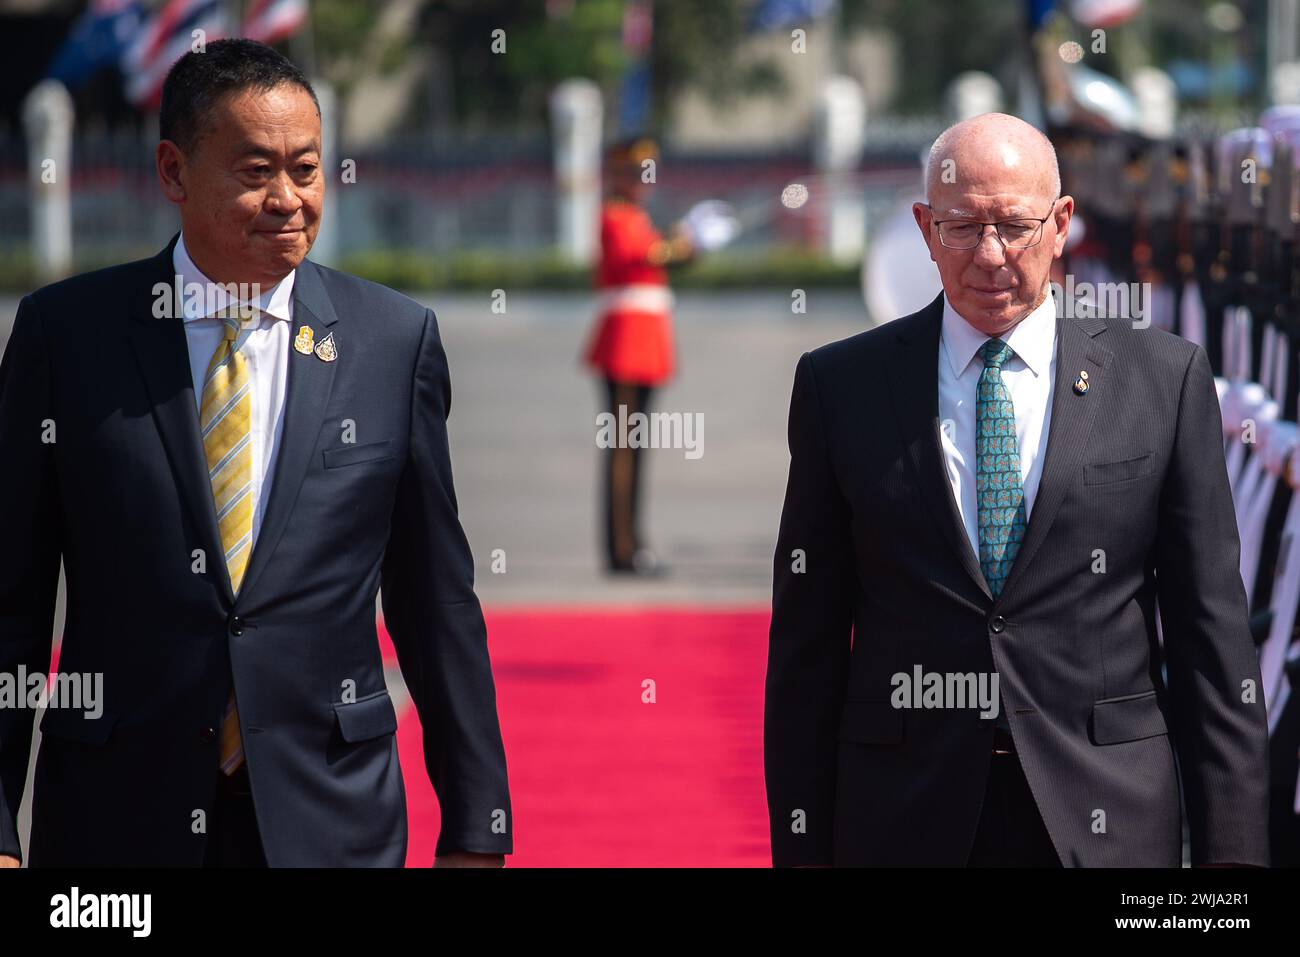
(1133, 519)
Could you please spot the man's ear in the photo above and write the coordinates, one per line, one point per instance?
(923, 215)
(170, 164)
(1063, 213)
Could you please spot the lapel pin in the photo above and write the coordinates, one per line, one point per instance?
(303, 341)
(1081, 383)
(325, 350)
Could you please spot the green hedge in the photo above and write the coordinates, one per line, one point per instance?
(497, 269)
(474, 270)
(484, 270)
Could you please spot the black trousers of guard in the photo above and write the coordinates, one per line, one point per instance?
(622, 477)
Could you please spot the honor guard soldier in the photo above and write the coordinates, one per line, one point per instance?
(632, 347)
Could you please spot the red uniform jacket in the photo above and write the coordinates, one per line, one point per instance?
(633, 340)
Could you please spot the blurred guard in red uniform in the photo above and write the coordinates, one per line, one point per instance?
(632, 348)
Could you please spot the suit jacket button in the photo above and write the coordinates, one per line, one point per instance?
(208, 735)
(997, 623)
(236, 626)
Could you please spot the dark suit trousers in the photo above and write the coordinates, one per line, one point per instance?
(233, 838)
(622, 473)
(1011, 832)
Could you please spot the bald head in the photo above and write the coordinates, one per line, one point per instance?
(993, 171)
(993, 153)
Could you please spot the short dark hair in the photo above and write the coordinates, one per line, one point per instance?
(198, 80)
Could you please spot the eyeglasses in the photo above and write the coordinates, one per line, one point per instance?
(1020, 233)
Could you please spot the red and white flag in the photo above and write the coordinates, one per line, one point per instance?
(167, 36)
(270, 21)
(1104, 13)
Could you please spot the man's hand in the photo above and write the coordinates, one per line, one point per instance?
(467, 859)
(7, 861)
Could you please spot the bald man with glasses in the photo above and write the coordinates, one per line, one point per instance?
(989, 503)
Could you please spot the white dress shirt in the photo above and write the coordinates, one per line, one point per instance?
(1029, 376)
(266, 349)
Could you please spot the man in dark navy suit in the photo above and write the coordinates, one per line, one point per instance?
(997, 488)
(232, 449)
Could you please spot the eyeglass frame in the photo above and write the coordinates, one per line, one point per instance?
(936, 223)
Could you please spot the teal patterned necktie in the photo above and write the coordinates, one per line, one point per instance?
(998, 490)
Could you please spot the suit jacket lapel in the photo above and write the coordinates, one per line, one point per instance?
(1068, 434)
(162, 355)
(307, 391)
(915, 393)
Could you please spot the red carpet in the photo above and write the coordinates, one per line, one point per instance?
(597, 777)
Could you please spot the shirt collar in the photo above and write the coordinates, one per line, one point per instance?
(1032, 339)
(274, 302)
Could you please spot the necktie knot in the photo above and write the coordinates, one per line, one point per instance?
(995, 352)
(235, 318)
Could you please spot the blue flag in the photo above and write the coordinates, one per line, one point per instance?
(97, 40)
(1038, 11)
(775, 14)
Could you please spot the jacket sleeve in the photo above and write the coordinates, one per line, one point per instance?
(29, 560)
(1216, 704)
(437, 626)
(626, 240)
(809, 641)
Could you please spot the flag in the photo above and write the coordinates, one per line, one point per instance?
(1105, 13)
(97, 41)
(269, 21)
(166, 38)
(775, 14)
(634, 88)
(1038, 12)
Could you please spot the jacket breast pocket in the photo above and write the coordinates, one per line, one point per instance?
(871, 722)
(1103, 473)
(1127, 718)
(366, 718)
(356, 454)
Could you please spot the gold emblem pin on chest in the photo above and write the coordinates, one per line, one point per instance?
(1081, 383)
(303, 342)
(326, 350)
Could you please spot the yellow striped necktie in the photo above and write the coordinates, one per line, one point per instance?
(225, 421)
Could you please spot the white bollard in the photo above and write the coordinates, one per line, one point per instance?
(326, 248)
(839, 133)
(575, 134)
(1157, 100)
(971, 94)
(47, 119)
(1284, 84)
